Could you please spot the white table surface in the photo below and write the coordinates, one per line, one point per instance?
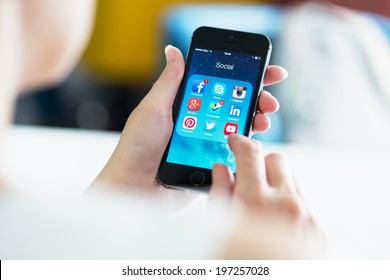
(348, 188)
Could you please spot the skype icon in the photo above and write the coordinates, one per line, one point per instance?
(219, 89)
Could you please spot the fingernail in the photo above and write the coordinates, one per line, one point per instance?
(285, 73)
(257, 141)
(168, 53)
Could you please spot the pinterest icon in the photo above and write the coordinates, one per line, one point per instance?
(189, 122)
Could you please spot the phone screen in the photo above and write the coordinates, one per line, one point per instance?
(218, 91)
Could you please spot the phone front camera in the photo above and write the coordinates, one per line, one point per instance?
(231, 37)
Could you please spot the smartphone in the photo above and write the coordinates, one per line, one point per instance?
(217, 97)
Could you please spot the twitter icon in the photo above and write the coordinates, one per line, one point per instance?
(210, 126)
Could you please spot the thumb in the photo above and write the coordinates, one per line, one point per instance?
(165, 89)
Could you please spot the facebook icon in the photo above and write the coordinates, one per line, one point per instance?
(198, 86)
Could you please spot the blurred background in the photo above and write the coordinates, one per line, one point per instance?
(338, 91)
(333, 123)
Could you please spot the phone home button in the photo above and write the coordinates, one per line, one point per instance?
(197, 178)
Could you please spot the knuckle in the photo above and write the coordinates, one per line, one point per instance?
(292, 206)
(276, 157)
(251, 147)
(173, 73)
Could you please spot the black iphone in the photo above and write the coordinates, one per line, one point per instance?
(217, 97)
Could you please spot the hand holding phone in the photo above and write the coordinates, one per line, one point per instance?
(217, 97)
(134, 164)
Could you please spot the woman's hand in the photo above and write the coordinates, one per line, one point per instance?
(275, 220)
(134, 163)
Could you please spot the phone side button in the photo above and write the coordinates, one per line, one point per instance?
(197, 178)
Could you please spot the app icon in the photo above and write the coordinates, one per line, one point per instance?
(230, 128)
(199, 85)
(239, 92)
(210, 126)
(235, 110)
(194, 104)
(215, 107)
(190, 122)
(219, 89)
